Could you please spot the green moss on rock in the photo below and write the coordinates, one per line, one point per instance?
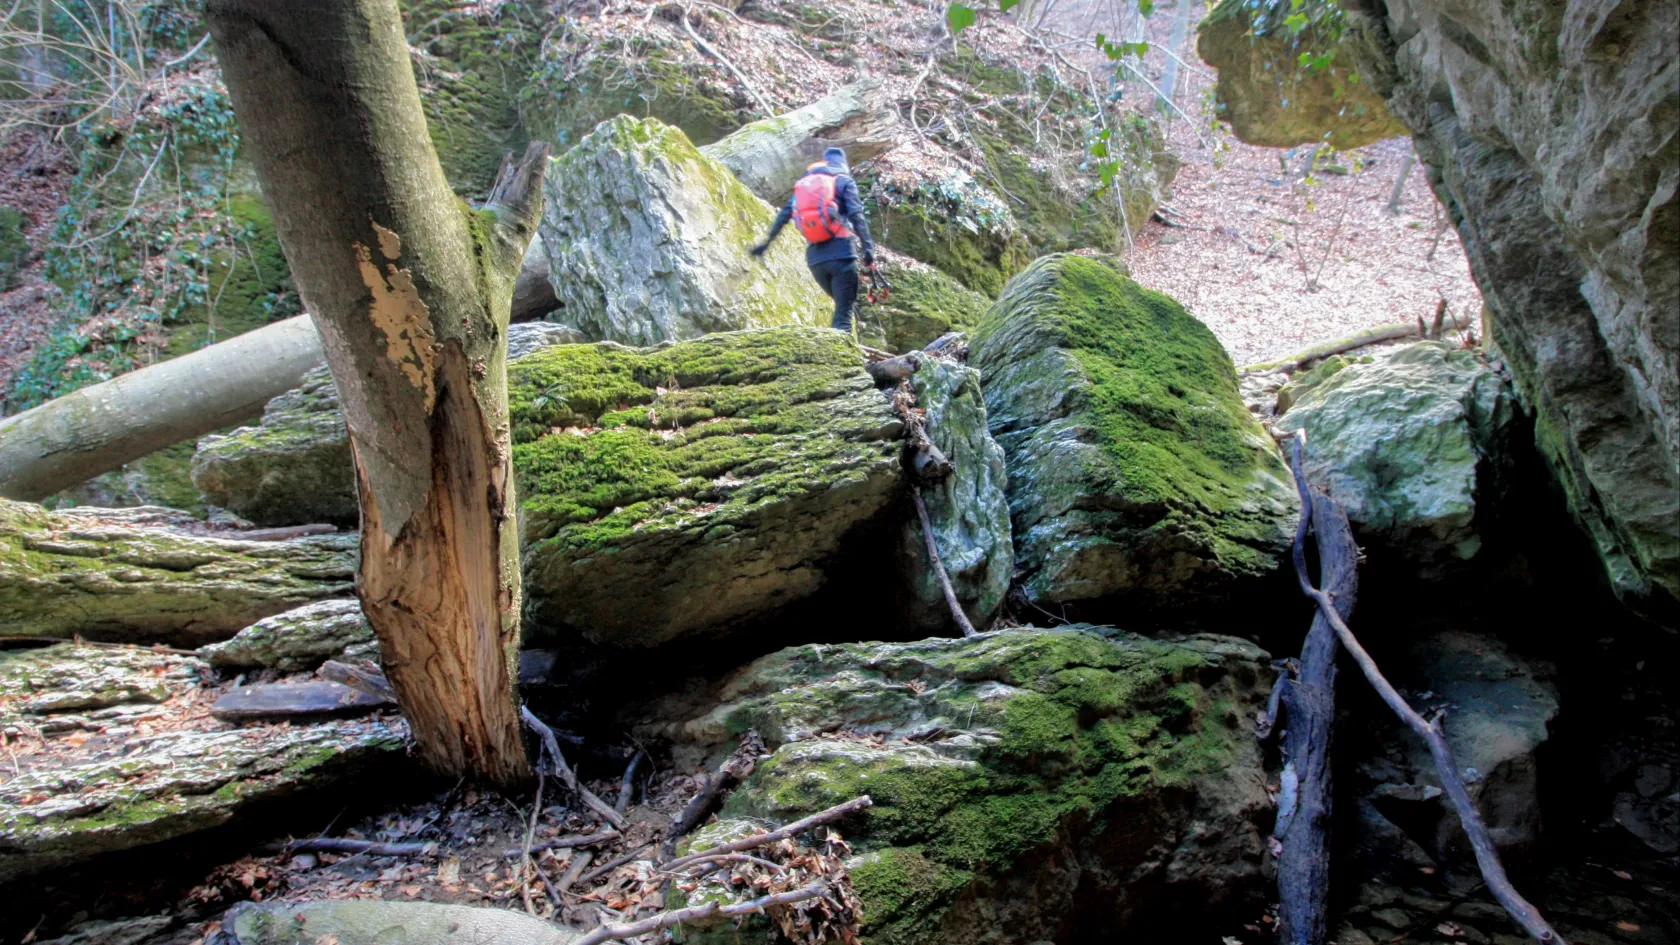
(1016, 777)
(658, 88)
(162, 478)
(246, 283)
(686, 488)
(1134, 469)
(1274, 99)
(922, 305)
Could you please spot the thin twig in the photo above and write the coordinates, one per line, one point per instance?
(614, 864)
(728, 858)
(665, 920)
(564, 843)
(939, 566)
(712, 51)
(1487, 855)
(626, 784)
(558, 761)
(797, 827)
(530, 831)
(579, 864)
(350, 845)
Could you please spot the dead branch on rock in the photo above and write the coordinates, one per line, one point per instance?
(735, 769)
(1452, 782)
(664, 920)
(928, 463)
(614, 864)
(757, 840)
(1371, 336)
(939, 566)
(627, 784)
(558, 766)
(567, 843)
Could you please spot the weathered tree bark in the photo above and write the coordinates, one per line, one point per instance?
(410, 289)
(770, 155)
(125, 575)
(1309, 705)
(97, 429)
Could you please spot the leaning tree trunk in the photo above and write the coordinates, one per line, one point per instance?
(97, 429)
(770, 155)
(136, 576)
(410, 289)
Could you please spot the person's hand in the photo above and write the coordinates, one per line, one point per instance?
(869, 258)
(759, 250)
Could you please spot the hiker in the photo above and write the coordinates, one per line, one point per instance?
(823, 202)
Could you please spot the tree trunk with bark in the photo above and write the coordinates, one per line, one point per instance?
(94, 430)
(410, 289)
(769, 156)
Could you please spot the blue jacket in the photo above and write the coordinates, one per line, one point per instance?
(851, 208)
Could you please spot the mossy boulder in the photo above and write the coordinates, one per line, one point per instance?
(955, 224)
(294, 467)
(1415, 445)
(163, 478)
(153, 575)
(190, 775)
(1285, 81)
(299, 639)
(1136, 476)
(922, 304)
(968, 509)
(1026, 783)
(647, 241)
(692, 487)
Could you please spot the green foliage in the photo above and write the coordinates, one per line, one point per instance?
(14, 246)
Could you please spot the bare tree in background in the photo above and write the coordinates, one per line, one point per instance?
(410, 289)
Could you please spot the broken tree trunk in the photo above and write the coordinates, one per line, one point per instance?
(410, 288)
(1309, 705)
(769, 156)
(94, 430)
(1335, 531)
(121, 575)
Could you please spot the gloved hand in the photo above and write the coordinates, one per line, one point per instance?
(759, 250)
(869, 258)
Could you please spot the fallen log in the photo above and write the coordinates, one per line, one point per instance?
(108, 575)
(94, 430)
(1371, 336)
(1308, 700)
(1452, 782)
(770, 156)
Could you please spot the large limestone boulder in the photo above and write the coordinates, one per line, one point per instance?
(108, 789)
(969, 509)
(647, 241)
(299, 639)
(294, 467)
(1413, 444)
(386, 923)
(1025, 782)
(1549, 131)
(692, 487)
(153, 575)
(920, 304)
(1135, 473)
(1274, 99)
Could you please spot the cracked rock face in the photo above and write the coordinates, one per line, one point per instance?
(147, 768)
(1136, 475)
(1550, 131)
(299, 639)
(1025, 782)
(686, 489)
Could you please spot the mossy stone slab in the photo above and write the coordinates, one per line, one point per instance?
(1136, 476)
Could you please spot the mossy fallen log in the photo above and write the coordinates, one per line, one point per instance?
(139, 575)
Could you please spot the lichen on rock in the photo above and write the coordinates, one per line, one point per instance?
(1413, 444)
(685, 488)
(113, 574)
(1135, 472)
(299, 639)
(1018, 777)
(647, 241)
(968, 509)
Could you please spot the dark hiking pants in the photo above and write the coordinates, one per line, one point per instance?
(839, 278)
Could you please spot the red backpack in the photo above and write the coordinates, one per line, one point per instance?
(815, 210)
